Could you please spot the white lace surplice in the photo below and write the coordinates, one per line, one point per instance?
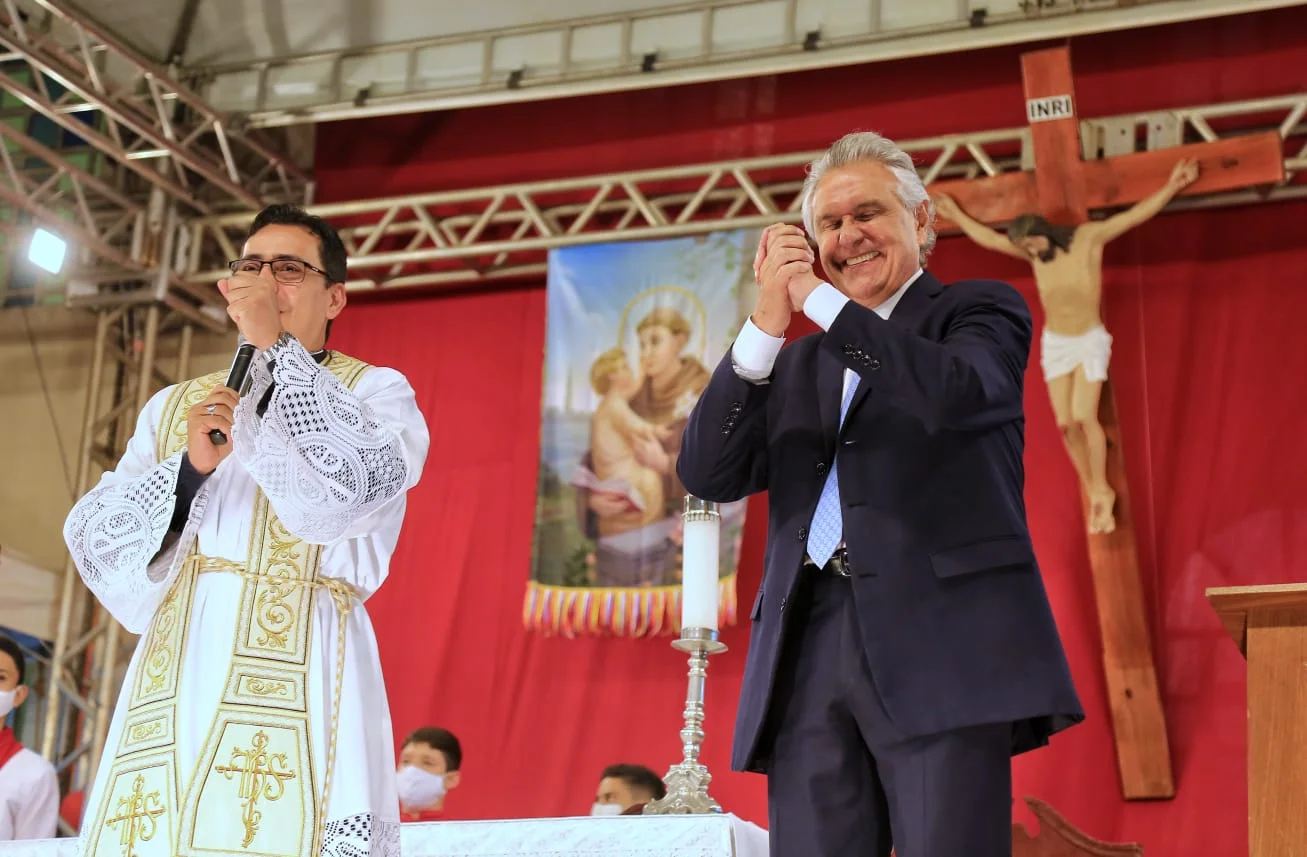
(335, 465)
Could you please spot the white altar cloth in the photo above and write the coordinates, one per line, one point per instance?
(622, 836)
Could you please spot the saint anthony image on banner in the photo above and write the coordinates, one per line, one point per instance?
(634, 330)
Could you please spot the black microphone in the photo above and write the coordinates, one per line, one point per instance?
(240, 371)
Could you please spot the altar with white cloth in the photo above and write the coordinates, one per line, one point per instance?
(711, 835)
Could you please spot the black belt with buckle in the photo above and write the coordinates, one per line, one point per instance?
(837, 565)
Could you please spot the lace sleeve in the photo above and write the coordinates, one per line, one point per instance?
(115, 533)
(327, 457)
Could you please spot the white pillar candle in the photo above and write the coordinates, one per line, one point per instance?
(699, 564)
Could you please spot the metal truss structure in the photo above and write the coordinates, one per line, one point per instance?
(692, 41)
(161, 153)
(138, 350)
(150, 125)
(494, 233)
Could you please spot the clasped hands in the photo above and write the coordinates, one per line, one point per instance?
(782, 268)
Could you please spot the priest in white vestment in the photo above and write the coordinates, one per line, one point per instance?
(253, 717)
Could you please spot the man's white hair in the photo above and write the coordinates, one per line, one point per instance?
(862, 146)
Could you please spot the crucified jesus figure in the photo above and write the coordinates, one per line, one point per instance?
(1067, 262)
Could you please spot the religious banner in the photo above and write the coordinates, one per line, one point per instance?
(633, 333)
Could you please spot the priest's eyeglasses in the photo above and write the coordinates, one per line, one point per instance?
(287, 270)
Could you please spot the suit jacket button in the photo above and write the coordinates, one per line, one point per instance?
(821, 468)
(784, 601)
(803, 534)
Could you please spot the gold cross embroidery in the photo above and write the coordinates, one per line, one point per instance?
(260, 778)
(136, 813)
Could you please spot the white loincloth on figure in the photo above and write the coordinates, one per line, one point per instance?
(1062, 354)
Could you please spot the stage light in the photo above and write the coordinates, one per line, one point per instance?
(47, 250)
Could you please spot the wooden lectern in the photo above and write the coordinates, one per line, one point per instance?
(1269, 625)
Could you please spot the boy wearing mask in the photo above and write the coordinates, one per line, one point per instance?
(429, 765)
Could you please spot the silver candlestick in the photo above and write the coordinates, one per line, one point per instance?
(687, 782)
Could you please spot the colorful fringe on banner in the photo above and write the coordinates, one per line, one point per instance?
(622, 612)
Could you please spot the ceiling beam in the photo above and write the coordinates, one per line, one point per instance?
(140, 117)
(182, 35)
(480, 235)
(658, 47)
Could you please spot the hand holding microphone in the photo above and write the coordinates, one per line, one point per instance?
(208, 425)
(236, 377)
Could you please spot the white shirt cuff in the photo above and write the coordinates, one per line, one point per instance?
(823, 304)
(754, 353)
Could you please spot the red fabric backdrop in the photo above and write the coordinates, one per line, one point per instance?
(1205, 308)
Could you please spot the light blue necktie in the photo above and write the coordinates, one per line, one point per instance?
(828, 521)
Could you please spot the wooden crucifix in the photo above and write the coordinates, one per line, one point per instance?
(1049, 213)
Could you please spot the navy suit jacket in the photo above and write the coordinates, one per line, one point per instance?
(955, 621)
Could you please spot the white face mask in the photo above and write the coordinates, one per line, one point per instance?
(606, 809)
(419, 788)
(6, 703)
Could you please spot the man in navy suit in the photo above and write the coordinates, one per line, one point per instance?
(903, 648)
